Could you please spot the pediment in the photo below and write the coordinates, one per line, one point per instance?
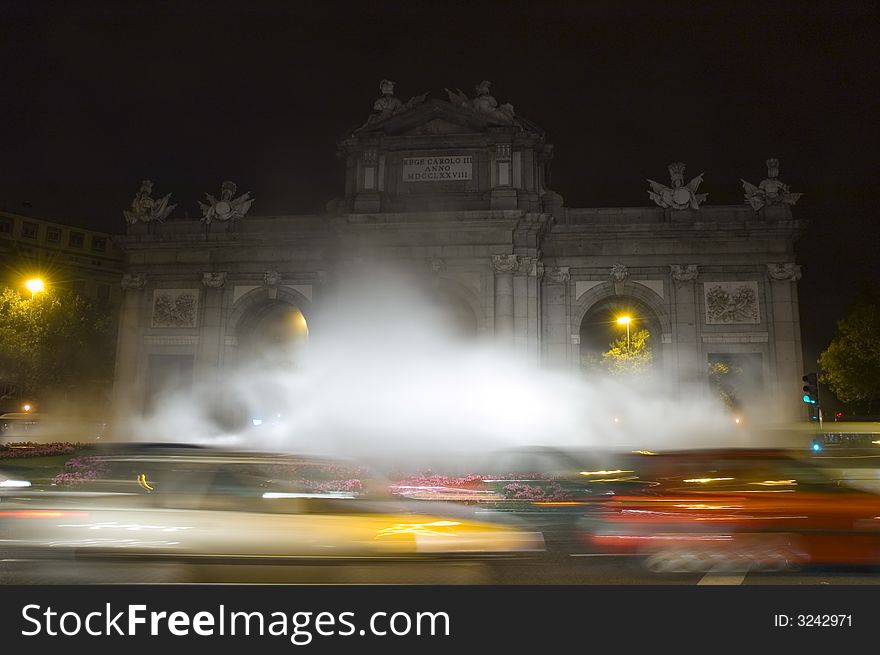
(440, 126)
(432, 117)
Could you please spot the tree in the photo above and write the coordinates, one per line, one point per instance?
(850, 366)
(55, 344)
(724, 380)
(631, 358)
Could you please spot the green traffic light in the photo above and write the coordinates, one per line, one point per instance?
(807, 399)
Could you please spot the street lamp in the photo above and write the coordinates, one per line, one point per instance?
(625, 320)
(35, 285)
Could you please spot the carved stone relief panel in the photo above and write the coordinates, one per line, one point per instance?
(729, 303)
(175, 308)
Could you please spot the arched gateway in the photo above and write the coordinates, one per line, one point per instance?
(455, 188)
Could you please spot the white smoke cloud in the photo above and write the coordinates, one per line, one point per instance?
(384, 372)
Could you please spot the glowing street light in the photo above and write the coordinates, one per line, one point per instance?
(625, 320)
(35, 285)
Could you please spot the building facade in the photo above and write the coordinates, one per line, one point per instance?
(88, 262)
(456, 191)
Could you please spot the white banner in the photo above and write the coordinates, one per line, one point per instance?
(437, 169)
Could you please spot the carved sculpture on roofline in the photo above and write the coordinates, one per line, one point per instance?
(228, 207)
(771, 191)
(144, 209)
(388, 105)
(680, 195)
(484, 103)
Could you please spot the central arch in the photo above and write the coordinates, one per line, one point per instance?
(597, 313)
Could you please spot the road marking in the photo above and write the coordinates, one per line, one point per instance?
(715, 576)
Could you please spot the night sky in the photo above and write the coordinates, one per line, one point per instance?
(98, 96)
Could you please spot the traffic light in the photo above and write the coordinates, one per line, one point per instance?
(811, 388)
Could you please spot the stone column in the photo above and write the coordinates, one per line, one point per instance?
(128, 384)
(504, 266)
(533, 347)
(686, 333)
(556, 328)
(788, 363)
(210, 332)
(521, 303)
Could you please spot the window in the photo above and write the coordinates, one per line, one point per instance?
(77, 239)
(5, 226)
(29, 230)
(53, 235)
(99, 244)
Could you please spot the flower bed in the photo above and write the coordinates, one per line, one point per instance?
(80, 469)
(30, 449)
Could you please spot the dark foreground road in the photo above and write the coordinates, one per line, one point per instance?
(600, 569)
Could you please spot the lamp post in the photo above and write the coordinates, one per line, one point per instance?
(625, 320)
(35, 285)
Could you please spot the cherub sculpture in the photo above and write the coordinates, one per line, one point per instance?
(145, 209)
(679, 195)
(228, 207)
(771, 191)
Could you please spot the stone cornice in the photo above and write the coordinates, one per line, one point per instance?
(732, 229)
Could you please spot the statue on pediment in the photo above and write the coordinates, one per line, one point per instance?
(484, 103)
(388, 105)
(228, 207)
(145, 209)
(679, 195)
(770, 191)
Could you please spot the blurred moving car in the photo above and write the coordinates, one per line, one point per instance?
(174, 513)
(738, 510)
(549, 488)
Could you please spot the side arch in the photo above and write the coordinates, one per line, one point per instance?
(254, 299)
